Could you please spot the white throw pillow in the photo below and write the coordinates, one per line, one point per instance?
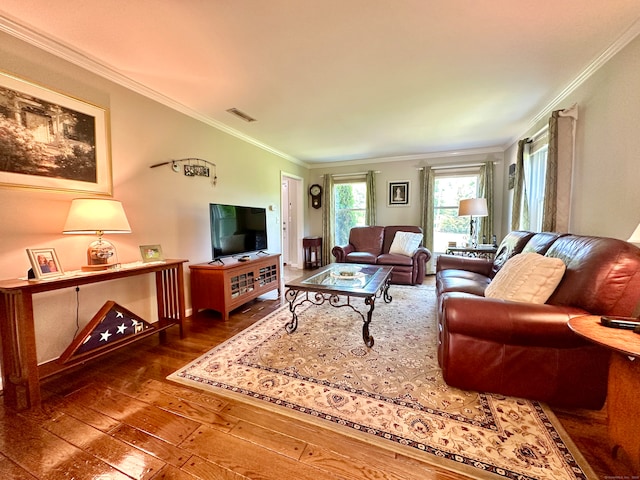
(527, 277)
(405, 243)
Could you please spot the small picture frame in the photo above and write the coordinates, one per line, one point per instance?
(44, 263)
(398, 194)
(512, 176)
(151, 253)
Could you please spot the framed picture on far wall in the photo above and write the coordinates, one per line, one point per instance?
(45, 263)
(398, 194)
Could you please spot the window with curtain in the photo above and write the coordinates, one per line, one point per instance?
(535, 171)
(449, 189)
(350, 197)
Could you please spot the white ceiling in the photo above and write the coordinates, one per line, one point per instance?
(338, 80)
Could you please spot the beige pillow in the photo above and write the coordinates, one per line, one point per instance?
(405, 243)
(527, 277)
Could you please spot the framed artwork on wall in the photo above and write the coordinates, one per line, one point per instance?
(398, 194)
(512, 176)
(52, 141)
(44, 263)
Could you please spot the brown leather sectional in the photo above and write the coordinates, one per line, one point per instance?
(370, 245)
(527, 350)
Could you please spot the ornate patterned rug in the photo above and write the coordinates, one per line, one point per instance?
(392, 394)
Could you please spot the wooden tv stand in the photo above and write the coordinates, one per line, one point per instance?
(228, 284)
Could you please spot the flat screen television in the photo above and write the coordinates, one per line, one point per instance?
(237, 229)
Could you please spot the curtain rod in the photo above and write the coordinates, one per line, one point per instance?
(348, 174)
(447, 167)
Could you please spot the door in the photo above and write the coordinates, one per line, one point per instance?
(292, 220)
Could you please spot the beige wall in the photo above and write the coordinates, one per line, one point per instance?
(163, 207)
(392, 171)
(170, 209)
(606, 196)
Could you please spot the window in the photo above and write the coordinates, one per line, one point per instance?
(447, 225)
(535, 170)
(534, 179)
(350, 208)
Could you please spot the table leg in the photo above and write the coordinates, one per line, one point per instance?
(385, 291)
(21, 379)
(366, 336)
(624, 422)
(291, 296)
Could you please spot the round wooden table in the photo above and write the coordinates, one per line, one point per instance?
(624, 383)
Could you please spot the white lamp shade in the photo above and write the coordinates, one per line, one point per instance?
(635, 236)
(475, 207)
(92, 215)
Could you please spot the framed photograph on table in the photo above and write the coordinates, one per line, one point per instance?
(52, 141)
(44, 263)
(398, 194)
(151, 253)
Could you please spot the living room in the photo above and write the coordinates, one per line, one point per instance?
(172, 210)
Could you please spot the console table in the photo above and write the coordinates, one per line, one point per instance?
(20, 371)
(229, 283)
(486, 252)
(624, 382)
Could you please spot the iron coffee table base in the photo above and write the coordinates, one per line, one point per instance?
(297, 297)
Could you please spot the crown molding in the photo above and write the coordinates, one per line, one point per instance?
(630, 34)
(61, 50)
(410, 158)
(71, 55)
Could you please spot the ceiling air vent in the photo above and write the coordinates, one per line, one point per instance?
(242, 115)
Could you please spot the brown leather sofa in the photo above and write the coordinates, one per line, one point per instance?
(528, 350)
(370, 245)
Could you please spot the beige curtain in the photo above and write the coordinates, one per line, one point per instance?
(371, 207)
(485, 190)
(558, 182)
(520, 207)
(427, 187)
(328, 239)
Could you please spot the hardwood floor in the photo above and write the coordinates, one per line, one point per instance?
(118, 418)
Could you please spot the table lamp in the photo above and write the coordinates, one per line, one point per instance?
(97, 216)
(635, 236)
(473, 207)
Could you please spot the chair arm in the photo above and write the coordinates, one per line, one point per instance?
(422, 255)
(510, 323)
(420, 259)
(341, 252)
(470, 264)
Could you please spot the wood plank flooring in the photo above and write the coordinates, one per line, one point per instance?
(118, 418)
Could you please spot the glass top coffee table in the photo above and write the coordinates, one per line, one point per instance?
(336, 284)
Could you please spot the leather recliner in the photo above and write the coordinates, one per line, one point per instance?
(528, 350)
(370, 245)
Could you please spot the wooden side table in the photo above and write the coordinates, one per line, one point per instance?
(312, 247)
(623, 386)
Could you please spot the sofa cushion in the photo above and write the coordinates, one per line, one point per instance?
(390, 234)
(405, 243)
(527, 277)
(361, 257)
(511, 245)
(394, 259)
(367, 239)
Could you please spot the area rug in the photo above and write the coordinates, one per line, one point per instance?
(392, 394)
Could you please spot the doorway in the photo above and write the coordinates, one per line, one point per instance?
(292, 225)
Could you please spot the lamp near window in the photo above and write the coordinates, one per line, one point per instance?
(94, 216)
(473, 207)
(635, 236)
